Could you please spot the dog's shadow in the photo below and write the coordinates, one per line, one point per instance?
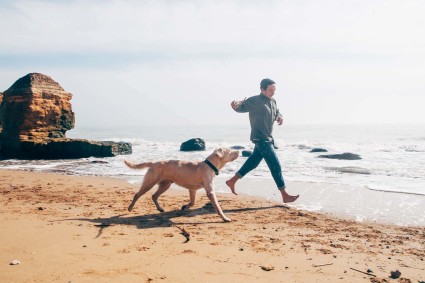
(164, 219)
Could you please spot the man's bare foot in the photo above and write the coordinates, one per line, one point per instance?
(226, 219)
(288, 198)
(231, 184)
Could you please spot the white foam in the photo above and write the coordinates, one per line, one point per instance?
(406, 190)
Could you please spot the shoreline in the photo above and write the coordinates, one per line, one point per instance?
(344, 201)
(73, 228)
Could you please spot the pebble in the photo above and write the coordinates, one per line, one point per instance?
(267, 268)
(15, 262)
(395, 274)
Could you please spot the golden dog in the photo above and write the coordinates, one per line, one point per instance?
(192, 175)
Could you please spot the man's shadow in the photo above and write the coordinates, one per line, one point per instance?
(164, 219)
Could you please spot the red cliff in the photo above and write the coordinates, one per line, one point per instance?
(35, 114)
(36, 108)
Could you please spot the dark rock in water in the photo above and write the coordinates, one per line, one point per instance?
(35, 113)
(237, 147)
(193, 144)
(68, 149)
(246, 153)
(343, 156)
(318, 150)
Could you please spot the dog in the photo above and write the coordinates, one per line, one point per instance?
(192, 175)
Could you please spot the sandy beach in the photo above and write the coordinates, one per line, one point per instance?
(77, 229)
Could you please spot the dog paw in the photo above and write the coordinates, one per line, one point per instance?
(226, 219)
(185, 207)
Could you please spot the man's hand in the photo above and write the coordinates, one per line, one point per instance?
(279, 120)
(235, 104)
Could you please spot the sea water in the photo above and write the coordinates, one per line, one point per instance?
(391, 168)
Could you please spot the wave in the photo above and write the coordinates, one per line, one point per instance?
(302, 146)
(349, 169)
(395, 190)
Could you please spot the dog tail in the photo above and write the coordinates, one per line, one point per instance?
(138, 166)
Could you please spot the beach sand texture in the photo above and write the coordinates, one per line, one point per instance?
(77, 229)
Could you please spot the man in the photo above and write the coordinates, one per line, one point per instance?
(263, 112)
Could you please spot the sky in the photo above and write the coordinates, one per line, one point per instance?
(130, 63)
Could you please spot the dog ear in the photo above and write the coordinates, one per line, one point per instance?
(219, 152)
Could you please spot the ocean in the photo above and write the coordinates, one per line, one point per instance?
(387, 185)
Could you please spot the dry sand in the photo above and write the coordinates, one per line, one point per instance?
(77, 229)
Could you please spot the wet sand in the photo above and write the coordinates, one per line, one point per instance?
(77, 229)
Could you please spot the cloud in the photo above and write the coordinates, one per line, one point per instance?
(184, 61)
(209, 26)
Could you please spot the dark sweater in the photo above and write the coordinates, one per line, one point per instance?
(263, 112)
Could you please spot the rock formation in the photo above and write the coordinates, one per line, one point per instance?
(36, 108)
(193, 144)
(35, 114)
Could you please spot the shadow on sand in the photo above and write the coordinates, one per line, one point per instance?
(164, 219)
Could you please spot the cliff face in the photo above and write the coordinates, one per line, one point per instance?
(36, 108)
(35, 114)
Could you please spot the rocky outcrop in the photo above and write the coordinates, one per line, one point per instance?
(193, 144)
(70, 149)
(36, 108)
(343, 156)
(35, 113)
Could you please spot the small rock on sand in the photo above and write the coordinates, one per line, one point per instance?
(395, 274)
(15, 262)
(267, 267)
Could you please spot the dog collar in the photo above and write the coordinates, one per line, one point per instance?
(211, 166)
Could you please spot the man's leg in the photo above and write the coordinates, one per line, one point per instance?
(269, 155)
(250, 164)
